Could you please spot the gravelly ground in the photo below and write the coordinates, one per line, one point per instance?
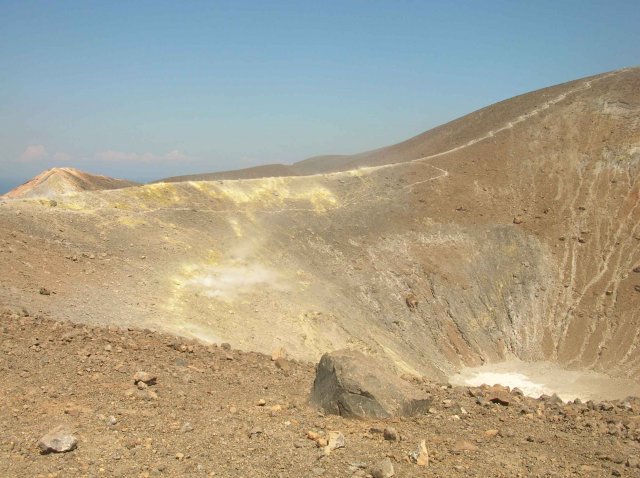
(204, 416)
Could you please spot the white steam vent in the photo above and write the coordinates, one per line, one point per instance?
(545, 378)
(230, 280)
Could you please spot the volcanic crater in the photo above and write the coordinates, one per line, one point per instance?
(508, 235)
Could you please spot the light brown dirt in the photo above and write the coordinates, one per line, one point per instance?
(204, 418)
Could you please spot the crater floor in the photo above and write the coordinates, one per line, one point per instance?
(535, 379)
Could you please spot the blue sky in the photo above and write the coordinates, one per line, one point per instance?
(149, 89)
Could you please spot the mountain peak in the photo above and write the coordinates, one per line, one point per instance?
(64, 180)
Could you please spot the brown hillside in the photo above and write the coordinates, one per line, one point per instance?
(515, 229)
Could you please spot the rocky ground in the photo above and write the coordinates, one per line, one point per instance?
(213, 411)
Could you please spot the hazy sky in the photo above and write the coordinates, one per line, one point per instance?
(149, 89)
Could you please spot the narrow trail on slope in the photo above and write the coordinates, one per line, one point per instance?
(490, 134)
(442, 173)
(520, 119)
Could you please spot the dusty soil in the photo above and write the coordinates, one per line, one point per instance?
(204, 416)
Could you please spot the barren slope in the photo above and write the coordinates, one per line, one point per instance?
(516, 228)
(56, 181)
(204, 418)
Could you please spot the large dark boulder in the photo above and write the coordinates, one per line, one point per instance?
(350, 384)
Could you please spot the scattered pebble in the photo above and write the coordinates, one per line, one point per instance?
(383, 469)
(58, 440)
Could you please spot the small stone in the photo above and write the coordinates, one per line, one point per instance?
(391, 434)
(491, 433)
(186, 428)
(589, 468)
(464, 445)
(412, 302)
(335, 440)
(555, 400)
(282, 364)
(383, 469)
(518, 220)
(255, 431)
(130, 443)
(180, 362)
(279, 353)
(57, 440)
(144, 377)
(141, 385)
(262, 402)
(44, 291)
(422, 454)
(606, 406)
(111, 421)
(148, 394)
(499, 395)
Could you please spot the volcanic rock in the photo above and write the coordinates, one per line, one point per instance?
(420, 456)
(350, 384)
(58, 440)
(335, 439)
(391, 434)
(383, 469)
(500, 395)
(144, 377)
